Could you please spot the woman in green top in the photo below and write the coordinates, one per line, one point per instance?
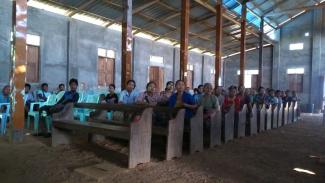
(208, 101)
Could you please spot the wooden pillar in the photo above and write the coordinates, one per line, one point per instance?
(18, 72)
(219, 25)
(260, 54)
(185, 22)
(243, 44)
(127, 38)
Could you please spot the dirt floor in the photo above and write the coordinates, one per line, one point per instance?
(267, 157)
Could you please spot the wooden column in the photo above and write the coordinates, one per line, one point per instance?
(260, 55)
(219, 24)
(18, 72)
(185, 22)
(126, 43)
(243, 44)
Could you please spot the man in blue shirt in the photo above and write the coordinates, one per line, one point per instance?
(43, 93)
(128, 96)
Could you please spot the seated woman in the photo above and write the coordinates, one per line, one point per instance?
(169, 90)
(231, 100)
(208, 101)
(182, 99)
(150, 96)
(111, 97)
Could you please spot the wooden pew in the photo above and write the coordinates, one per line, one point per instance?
(242, 122)
(285, 115)
(280, 115)
(215, 128)
(295, 112)
(275, 117)
(268, 118)
(261, 117)
(290, 113)
(228, 125)
(137, 132)
(253, 121)
(196, 131)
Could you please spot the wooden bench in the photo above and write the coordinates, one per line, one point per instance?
(295, 112)
(215, 128)
(285, 115)
(290, 113)
(280, 115)
(261, 118)
(196, 131)
(242, 122)
(275, 116)
(228, 125)
(138, 132)
(253, 121)
(268, 118)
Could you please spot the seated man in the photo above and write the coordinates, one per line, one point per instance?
(4, 97)
(111, 97)
(28, 96)
(71, 96)
(43, 93)
(128, 96)
(61, 88)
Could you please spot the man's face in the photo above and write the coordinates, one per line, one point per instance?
(200, 89)
(130, 86)
(73, 86)
(170, 86)
(111, 89)
(232, 92)
(45, 88)
(207, 89)
(61, 88)
(262, 91)
(27, 89)
(180, 86)
(6, 91)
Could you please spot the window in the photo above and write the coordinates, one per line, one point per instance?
(213, 73)
(33, 61)
(295, 79)
(306, 34)
(296, 46)
(105, 67)
(250, 78)
(156, 61)
(189, 76)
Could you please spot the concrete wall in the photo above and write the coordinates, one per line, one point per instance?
(231, 66)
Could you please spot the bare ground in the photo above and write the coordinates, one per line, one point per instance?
(267, 157)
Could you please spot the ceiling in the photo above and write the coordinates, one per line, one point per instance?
(161, 18)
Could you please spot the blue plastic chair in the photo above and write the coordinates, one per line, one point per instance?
(83, 114)
(4, 116)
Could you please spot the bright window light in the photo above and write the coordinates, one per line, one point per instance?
(209, 54)
(156, 60)
(248, 77)
(271, 35)
(33, 40)
(88, 19)
(296, 46)
(296, 71)
(190, 67)
(110, 54)
(304, 171)
(46, 7)
(213, 71)
(116, 27)
(101, 52)
(307, 34)
(165, 41)
(144, 35)
(249, 72)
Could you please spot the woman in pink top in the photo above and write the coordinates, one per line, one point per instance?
(150, 96)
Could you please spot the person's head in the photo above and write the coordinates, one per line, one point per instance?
(232, 91)
(6, 90)
(73, 84)
(151, 87)
(27, 87)
(278, 93)
(241, 90)
(207, 88)
(180, 86)
(247, 92)
(45, 87)
(261, 90)
(101, 97)
(293, 93)
(169, 85)
(271, 93)
(218, 90)
(200, 89)
(287, 93)
(61, 87)
(130, 85)
(196, 91)
(111, 88)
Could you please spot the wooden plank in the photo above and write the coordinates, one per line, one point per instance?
(140, 139)
(229, 125)
(291, 115)
(253, 121)
(185, 22)
(280, 115)
(242, 121)
(112, 107)
(295, 111)
(262, 119)
(196, 131)
(285, 115)
(269, 118)
(275, 117)
(215, 128)
(175, 136)
(127, 39)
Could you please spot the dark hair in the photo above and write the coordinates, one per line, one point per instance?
(200, 86)
(169, 82)
(131, 81)
(196, 90)
(61, 84)
(151, 82)
(179, 81)
(6, 86)
(28, 85)
(232, 87)
(112, 85)
(260, 88)
(277, 91)
(73, 80)
(44, 84)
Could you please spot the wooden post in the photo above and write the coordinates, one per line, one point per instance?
(219, 24)
(243, 44)
(185, 22)
(18, 73)
(260, 55)
(126, 42)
